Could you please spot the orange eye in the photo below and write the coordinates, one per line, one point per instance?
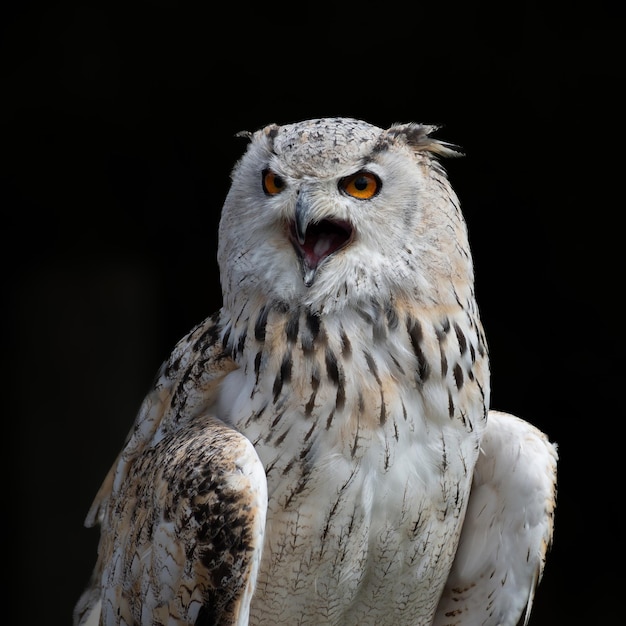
(362, 185)
(272, 183)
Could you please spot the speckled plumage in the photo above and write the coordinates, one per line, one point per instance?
(321, 450)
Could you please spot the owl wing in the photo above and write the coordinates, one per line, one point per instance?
(182, 510)
(507, 529)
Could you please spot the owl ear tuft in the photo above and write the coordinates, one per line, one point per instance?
(266, 134)
(417, 137)
(267, 131)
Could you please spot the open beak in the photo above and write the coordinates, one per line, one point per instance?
(314, 242)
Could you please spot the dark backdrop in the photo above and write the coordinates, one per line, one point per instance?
(117, 143)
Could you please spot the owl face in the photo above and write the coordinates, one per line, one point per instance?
(330, 210)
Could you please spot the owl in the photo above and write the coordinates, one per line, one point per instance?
(321, 450)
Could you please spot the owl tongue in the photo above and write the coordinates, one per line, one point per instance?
(320, 241)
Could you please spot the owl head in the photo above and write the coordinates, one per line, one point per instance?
(333, 211)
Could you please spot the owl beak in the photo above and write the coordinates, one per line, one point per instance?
(302, 219)
(314, 242)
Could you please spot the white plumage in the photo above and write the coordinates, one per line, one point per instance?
(321, 450)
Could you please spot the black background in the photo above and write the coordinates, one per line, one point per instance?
(117, 143)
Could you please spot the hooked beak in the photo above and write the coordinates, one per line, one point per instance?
(314, 242)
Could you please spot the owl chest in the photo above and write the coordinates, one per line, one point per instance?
(358, 539)
(368, 439)
(361, 508)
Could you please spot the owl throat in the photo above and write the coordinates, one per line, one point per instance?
(376, 368)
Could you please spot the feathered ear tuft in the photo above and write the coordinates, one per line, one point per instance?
(267, 133)
(417, 136)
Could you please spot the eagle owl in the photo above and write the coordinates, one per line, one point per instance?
(320, 450)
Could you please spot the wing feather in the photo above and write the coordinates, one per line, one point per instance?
(185, 381)
(182, 510)
(185, 530)
(507, 529)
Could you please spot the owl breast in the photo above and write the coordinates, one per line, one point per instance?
(368, 465)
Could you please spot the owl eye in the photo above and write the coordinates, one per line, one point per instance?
(362, 185)
(272, 182)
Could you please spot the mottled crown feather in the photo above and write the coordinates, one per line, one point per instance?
(306, 146)
(416, 137)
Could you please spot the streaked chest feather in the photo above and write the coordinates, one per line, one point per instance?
(368, 429)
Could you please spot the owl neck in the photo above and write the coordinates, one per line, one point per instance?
(298, 357)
